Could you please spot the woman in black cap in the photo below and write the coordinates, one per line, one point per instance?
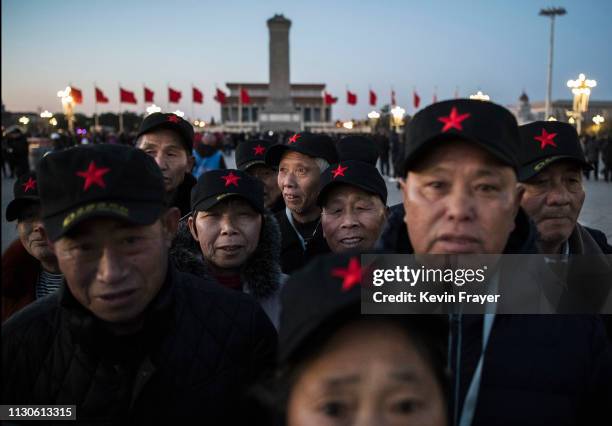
(231, 236)
(339, 367)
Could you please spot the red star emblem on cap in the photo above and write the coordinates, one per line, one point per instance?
(93, 175)
(453, 120)
(231, 179)
(294, 138)
(546, 139)
(30, 184)
(173, 118)
(351, 275)
(259, 150)
(339, 171)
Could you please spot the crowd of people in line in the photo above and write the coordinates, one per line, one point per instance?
(152, 283)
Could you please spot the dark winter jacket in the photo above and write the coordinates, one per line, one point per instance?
(261, 276)
(200, 346)
(20, 272)
(182, 197)
(293, 255)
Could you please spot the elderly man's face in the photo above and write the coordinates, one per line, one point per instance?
(168, 151)
(553, 199)
(352, 219)
(298, 180)
(32, 233)
(228, 233)
(460, 200)
(268, 177)
(115, 269)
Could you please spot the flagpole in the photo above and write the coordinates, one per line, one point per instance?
(120, 112)
(95, 110)
(192, 104)
(240, 107)
(168, 94)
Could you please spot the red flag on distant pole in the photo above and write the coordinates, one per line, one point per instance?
(100, 98)
(220, 97)
(198, 96)
(416, 99)
(127, 97)
(174, 96)
(148, 95)
(77, 95)
(372, 98)
(393, 102)
(351, 98)
(244, 96)
(329, 99)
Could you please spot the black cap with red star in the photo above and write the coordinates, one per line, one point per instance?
(251, 152)
(362, 175)
(160, 120)
(316, 145)
(546, 142)
(326, 287)
(216, 186)
(25, 191)
(355, 147)
(484, 123)
(103, 180)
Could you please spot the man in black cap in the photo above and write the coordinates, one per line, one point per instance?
(552, 166)
(169, 140)
(251, 158)
(353, 197)
(128, 338)
(461, 197)
(300, 163)
(29, 267)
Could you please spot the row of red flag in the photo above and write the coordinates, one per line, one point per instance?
(197, 96)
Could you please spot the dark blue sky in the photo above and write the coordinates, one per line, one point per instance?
(498, 46)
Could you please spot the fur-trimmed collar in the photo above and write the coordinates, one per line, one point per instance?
(261, 276)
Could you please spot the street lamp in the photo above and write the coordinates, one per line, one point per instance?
(581, 89)
(373, 116)
(551, 12)
(46, 114)
(480, 96)
(153, 108)
(68, 106)
(24, 120)
(598, 120)
(53, 121)
(348, 125)
(397, 113)
(179, 113)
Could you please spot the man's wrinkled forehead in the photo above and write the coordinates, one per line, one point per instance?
(453, 155)
(297, 158)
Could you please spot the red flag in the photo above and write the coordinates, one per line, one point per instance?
(148, 95)
(198, 96)
(77, 95)
(244, 96)
(127, 97)
(351, 98)
(220, 97)
(393, 102)
(329, 99)
(174, 96)
(416, 99)
(100, 98)
(372, 98)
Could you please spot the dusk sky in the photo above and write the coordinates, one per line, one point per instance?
(500, 47)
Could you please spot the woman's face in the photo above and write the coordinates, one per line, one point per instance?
(369, 373)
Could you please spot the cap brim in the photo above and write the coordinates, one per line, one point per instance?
(325, 190)
(275, 153)
(529, 170)
(210, 202)
(426, 145)
(244, 166)
(137, 213)
(16, 205)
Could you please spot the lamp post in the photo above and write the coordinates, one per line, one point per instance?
(68, 106)
(551, 13)
(46, 116)
(179, 113)
(24, 122)
(480, 96)
(373, 116)
(581, 89)
(153, 108)
(598, 120)
(397, 114)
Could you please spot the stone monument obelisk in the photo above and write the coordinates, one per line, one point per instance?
(279, 112)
